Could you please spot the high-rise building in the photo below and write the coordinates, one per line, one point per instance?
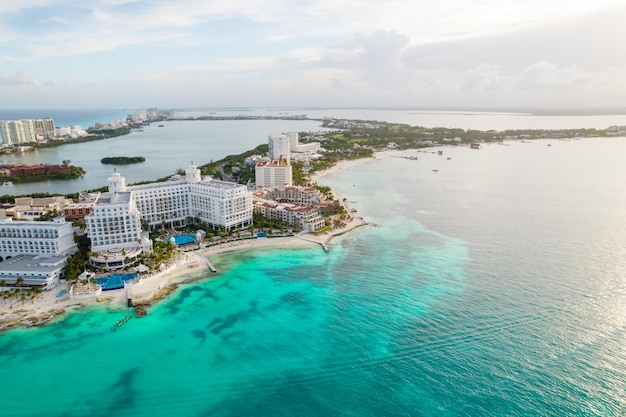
(279, 147)
(275, 173)
(15, 132)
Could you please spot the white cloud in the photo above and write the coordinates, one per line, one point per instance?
(364, 52)
(17, 79)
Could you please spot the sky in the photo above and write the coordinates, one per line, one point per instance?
(497, 54)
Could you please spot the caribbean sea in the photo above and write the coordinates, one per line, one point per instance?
(493, 286)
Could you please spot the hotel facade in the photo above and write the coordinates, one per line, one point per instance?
(115, 224)
(35, 251)
(180, 200)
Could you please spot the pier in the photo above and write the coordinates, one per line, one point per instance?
(324, 245)
(210, 265)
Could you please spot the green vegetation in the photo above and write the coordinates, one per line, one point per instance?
(44, 173)
(122, 160)
(233, 166)
(19, 293)
(93, 135)
(77, 262)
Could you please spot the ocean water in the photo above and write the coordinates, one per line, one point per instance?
(495, 286)
(67, 117)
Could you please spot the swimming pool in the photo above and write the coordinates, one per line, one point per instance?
(115, 281)
(184, 239)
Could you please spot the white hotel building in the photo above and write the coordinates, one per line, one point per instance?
(54, 238)
(173, 203)
(114, 225)
(35, 251)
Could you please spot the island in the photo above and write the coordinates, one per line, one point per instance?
(122, 160)
(39, 172)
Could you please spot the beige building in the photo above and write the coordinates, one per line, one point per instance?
(306, 219)
(275, 173)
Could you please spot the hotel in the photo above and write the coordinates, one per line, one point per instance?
(181, 200)
(274, 173)
(115, 224)
(35, 251)
(306, 219)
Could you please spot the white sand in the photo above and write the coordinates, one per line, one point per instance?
(347, 164)
(187, 265)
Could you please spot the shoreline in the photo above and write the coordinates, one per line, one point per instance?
(190, 266)
(378, 156)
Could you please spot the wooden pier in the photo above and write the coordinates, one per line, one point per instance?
(129, 297)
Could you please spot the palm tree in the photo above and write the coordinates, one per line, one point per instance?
(19, 282)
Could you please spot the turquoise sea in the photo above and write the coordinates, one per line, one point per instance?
(495, 286)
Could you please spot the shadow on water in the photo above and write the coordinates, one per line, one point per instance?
(217, 326)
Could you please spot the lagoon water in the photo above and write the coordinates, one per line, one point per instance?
(493, 287)
(178, 143)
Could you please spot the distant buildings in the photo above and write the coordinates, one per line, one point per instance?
(279, 147)
(276, 171)
(15, 132)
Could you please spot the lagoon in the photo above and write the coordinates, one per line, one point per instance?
(175, 145)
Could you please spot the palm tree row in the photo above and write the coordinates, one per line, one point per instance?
(19, 293)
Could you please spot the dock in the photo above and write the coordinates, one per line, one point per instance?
(210, 265)
(129, 297)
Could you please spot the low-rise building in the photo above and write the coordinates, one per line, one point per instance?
(306, 219)
(34, 270)
(35, 251)
(52, 238)
(77, 210)
(303, 196)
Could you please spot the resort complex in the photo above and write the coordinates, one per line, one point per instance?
(118, 222)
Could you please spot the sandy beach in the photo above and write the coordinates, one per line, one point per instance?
(380, 155)
(152, 288)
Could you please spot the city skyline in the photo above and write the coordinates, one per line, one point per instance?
(127, 53)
